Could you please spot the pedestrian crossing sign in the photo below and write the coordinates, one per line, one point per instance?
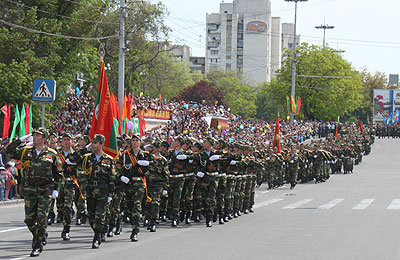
(44, 90)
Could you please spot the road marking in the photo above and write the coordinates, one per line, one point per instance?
(13, 229)
(266, 203)
(395, 204)
(364, 204)
(265, 192)
(331, 204)
(298, 204)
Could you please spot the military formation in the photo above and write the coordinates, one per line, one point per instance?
(389, 131)
(154, 181)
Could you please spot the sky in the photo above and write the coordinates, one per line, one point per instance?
(366, 30)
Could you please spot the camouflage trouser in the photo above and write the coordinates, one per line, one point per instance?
(246, 192)
(69, 195)
(37, 203)
(134, 196)
(253, 191)
(163, 205)
(230, 186)
(316, 171)
(152, 208)
(51, 208)
(60, 202)
(199, 195)
(242, 192)
(187, 194)
(97, 207)
(270, 177)
(80, 202)
(292, 175)
(211, 192)
(115, 208)
(237, 190)
(220, 196)
(174, 195)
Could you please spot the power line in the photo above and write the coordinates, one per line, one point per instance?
(57, 35)
(58, 15)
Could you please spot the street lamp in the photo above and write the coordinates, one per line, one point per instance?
(325, 27)
(293, 91)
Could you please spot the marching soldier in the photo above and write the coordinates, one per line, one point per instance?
(292, 160)
(100, 171)
(83, 142)
(42, 174)
(134, 170)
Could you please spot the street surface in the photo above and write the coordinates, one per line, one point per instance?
(355, 216)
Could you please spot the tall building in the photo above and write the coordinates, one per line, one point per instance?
(244, 37)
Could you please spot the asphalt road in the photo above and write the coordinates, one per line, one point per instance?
(354, 216)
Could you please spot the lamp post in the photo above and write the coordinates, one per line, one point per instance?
(293, 91)
(324, 27)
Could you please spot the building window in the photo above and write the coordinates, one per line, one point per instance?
(228, 53)
(214, 36)
(228, 44)
(240, 44)
(214, 52)
(213, 27)
(214, 61)
(228, 61)
(240, 52)
(229, 36)
(229, 27)
(240, 36)
(240, 26)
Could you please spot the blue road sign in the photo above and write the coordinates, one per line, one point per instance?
(44, 90)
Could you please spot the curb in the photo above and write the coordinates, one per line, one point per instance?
(10, 202)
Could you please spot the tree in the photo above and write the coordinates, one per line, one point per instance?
(269, 101)
(201, 92)
(322, 97)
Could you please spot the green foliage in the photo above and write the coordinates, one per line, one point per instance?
(322, 98)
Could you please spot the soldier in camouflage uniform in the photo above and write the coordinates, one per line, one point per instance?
(292, 161)
(157, 178)
(42, 174)
(186, 204)
(100, 172)
(199, 161)
(164, 199)
(230, 183)
(177, 168)
(317, 160)
(81, 177)
(135, 164)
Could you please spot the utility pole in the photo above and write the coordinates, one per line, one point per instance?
(293, 90)
(325, 27)
(121, 56)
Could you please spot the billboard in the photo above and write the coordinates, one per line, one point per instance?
(385, 103)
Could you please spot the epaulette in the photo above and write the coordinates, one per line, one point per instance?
(51, 150)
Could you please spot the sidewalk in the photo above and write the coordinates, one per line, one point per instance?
(10, 202)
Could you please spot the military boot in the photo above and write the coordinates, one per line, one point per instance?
(221, 219)
(209, 221)
(50, 220)
(226, 218)
(83, 218)
(134, 237)
(188, 218)
(37, 248)
(78, 221)
(118, 229)
(182, 216)
(152, 225)
(110, 232)
(96, 241)
(65, 233)
(174, 222)
(145, 222)
(196, 217)
(103, 237)
(44, 241)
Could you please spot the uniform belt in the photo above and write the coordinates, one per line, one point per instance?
(212, 173)
(189, 174)
(176, 176)
(222, 174)
(67, 179)
(136, 179)
(230, 176)
(94, 183)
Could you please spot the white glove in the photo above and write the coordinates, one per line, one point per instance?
(291, 161)
(69, 162)
(268, 158)
(143, 163)
(29, 144)
(190, 161)
(233, 162)
(88, 146)
(315, 156)
(306, 166)
(200, 174)
(181, 157)
(54, 194)
(109, 199)
(25, 137)
(214, 157)
(164, 192)
(124, 179)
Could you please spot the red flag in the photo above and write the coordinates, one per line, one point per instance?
(27, 116)
(360, 126)
(298, 105)
(7, 117)
(142, 125)
(103, 121)
(337, 136)
(276, 142)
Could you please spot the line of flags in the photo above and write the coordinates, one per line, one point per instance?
(106, 119)
(393, 119)
(22, 121)
(293, 105)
